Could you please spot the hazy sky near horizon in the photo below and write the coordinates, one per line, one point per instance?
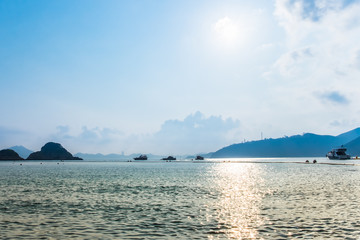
(176, 77)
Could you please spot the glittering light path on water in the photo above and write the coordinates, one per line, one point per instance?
(158, 200)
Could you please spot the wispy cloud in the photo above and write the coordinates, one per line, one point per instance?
(320, 27)
(293, 62)
(94, 139)
(357, 60)
(196, 133)
(319, 54)
(334, 97)
(321, 46)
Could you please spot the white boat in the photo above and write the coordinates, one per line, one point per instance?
(338, 154)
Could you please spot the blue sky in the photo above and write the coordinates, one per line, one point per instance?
(176, 77)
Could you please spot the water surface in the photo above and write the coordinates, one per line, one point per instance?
(160, 200)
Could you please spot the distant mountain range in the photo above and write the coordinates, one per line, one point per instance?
(22, 151)
(306, 145)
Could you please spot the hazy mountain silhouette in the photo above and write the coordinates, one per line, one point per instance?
(354, 147)
(22, 151)
(306, 145)
(349, 136)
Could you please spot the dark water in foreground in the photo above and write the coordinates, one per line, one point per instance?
(112, 200)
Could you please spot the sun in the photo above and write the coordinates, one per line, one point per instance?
(226, 31)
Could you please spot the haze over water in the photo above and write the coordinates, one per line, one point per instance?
(159, 200)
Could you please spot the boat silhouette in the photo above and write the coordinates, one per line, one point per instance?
(141, 157)
(169, 158)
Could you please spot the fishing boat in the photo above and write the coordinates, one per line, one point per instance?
(141, 157)
(338, 154)
(169, 158)
(199, 157)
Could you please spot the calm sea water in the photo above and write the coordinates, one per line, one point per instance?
(185, 200)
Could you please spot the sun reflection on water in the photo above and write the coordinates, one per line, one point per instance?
(239, 203)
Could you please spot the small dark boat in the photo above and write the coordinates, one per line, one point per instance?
(141, 157)
(170, 158)
(199, 157)
(338, 154)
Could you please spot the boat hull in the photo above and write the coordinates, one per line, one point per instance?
(338, 158)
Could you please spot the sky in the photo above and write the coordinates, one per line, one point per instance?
(176, 77)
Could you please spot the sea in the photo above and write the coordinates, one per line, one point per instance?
(279, 198)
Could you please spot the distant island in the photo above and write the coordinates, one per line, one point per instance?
(9, 154)
(52, 151)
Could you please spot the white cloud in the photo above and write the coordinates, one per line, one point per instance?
(92, 140)
(196, 133)
(344, 123)
(357, 60)
(322, 51)
(292, 63)
(316, 75)
(333, 35)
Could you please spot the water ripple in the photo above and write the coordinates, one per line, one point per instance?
(172, 201)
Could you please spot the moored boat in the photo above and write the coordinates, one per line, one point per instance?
(169, 158)
(141, 157)
(199, 157)
(338, 154)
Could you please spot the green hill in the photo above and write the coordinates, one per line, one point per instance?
(306, 145)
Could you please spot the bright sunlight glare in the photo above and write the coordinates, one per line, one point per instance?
(227, 31)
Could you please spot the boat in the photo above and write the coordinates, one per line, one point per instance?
(199, 157)
(169, 158)
(141, 157)
(338, 154)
